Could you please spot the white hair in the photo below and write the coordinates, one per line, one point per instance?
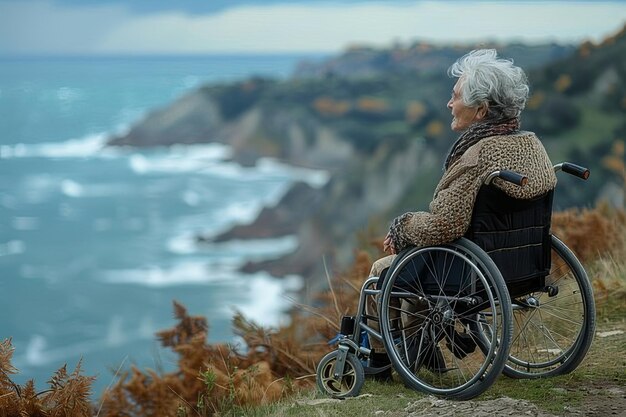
(496, 82)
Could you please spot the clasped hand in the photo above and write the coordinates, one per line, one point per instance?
(388, 245)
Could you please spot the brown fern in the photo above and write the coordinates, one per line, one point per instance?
(69, 393)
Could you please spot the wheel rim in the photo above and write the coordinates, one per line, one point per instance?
(443, 324)
(337, 387)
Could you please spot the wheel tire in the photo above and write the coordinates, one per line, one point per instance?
(477, 371)
(554, 337)
(351, 382)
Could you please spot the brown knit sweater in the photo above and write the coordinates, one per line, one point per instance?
(451, 209)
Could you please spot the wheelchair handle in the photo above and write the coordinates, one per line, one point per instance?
(573, 169)
(509, 176)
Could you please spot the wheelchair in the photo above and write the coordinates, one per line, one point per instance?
(453, 317)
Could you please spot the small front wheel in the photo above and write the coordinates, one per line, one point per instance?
(348, 384)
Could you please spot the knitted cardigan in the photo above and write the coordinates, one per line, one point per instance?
(451, 208)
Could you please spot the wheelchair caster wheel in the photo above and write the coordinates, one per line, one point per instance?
(348, 384)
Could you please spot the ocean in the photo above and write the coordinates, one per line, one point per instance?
(96, 242)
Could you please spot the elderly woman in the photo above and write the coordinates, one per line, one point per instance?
(487, 100)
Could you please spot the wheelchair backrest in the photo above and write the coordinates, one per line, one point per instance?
(516, 235)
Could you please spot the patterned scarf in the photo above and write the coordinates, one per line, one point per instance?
(478, 131)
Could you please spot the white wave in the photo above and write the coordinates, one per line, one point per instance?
(147, 328)
(34, 350)
(69, 94)
(258, 249)
(25, 223)
(316, 178)
(89, 146)
(38, 352)
(266, 302)
(186, 272)
(186, 244)
(191, 198)
(239, 212)
(12, 247)
(183, 244)
(115, 335)
(211, 159)
(71, 188)
(180, 159)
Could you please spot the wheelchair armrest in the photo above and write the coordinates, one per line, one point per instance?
(573, 169)
(509, 176)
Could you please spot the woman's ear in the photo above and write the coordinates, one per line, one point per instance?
(482, 111)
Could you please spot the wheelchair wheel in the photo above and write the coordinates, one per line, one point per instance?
(433, 305)
(347, 385)
(553, 329)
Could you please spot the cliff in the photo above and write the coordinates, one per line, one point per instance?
(381, 131)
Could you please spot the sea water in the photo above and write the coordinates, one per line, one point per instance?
(96, 242)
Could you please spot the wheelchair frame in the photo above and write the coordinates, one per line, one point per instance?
(502, 331)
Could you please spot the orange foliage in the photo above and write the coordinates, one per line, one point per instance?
(536, 100)
(435, 128)
(563, 83)
(591, 232)
(415, 110)
(68, 394)
(585, 49)
(329, 107)
(372, 105)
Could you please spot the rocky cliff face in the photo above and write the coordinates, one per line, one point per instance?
(325, 220)
(193, 118)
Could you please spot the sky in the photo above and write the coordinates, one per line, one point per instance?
(105, 27)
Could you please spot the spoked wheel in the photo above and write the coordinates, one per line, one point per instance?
(434, 302)
(553, 328)
(346, 385)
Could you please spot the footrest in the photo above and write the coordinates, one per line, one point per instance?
(370, 370)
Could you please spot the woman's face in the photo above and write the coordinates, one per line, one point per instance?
(462, 115)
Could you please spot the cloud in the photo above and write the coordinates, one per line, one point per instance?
(307, 27)
(40, 27)
(327, 27)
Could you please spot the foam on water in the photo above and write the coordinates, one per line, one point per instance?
(38, 351)
(187, 272)
(186, 244)
(69, 94)
(25, 223)
(12, 247)
(258, 248)
(314, 177)
(89, 146)
(266, 300)
(180, 159)
(71, 188)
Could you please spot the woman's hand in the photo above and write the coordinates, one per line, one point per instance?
(388, 245)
